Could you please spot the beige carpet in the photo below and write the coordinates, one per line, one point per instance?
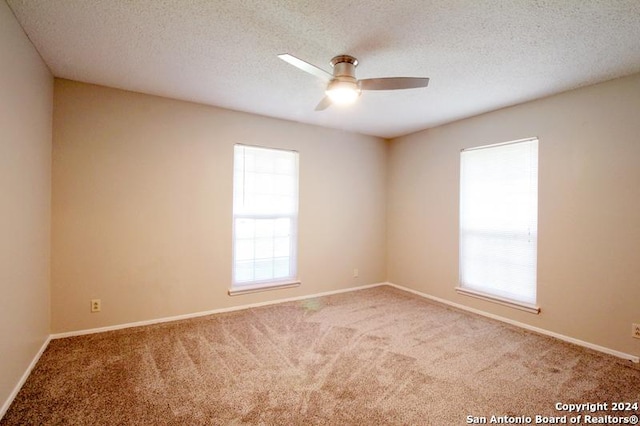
(375, 356)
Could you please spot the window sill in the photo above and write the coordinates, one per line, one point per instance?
(256, 288)
(532, 309)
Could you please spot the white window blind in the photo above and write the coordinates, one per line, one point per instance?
(499, 220)
(265, 215)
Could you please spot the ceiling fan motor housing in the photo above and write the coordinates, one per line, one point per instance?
(344, 67)
(344, 74)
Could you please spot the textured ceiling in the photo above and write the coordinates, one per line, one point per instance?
(480, 55)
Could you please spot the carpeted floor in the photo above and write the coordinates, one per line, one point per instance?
(374, 356)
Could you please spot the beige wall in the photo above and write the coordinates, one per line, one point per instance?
(142, 191)
(26, 98)
(142, 207)
(589, 209)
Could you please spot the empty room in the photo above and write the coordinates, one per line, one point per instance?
(339, 212)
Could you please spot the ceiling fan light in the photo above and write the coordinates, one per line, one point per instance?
(343, 92)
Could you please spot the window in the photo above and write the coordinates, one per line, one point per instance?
(499, 223)
(265, 218)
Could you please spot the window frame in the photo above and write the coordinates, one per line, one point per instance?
(481, 293)
(292, 280)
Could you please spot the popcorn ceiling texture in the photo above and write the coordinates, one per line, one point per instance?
(380, 356)
(480, 55)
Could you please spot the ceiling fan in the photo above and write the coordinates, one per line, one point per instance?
(342, 85)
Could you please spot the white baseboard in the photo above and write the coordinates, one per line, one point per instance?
(204, 313)
(23, 379)
(559, 336)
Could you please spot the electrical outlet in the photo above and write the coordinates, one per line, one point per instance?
(96, 305)
(355, 273)
(635, 330)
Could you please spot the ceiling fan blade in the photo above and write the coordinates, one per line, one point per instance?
(306, 66)
(323, 104)
(393, 83)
